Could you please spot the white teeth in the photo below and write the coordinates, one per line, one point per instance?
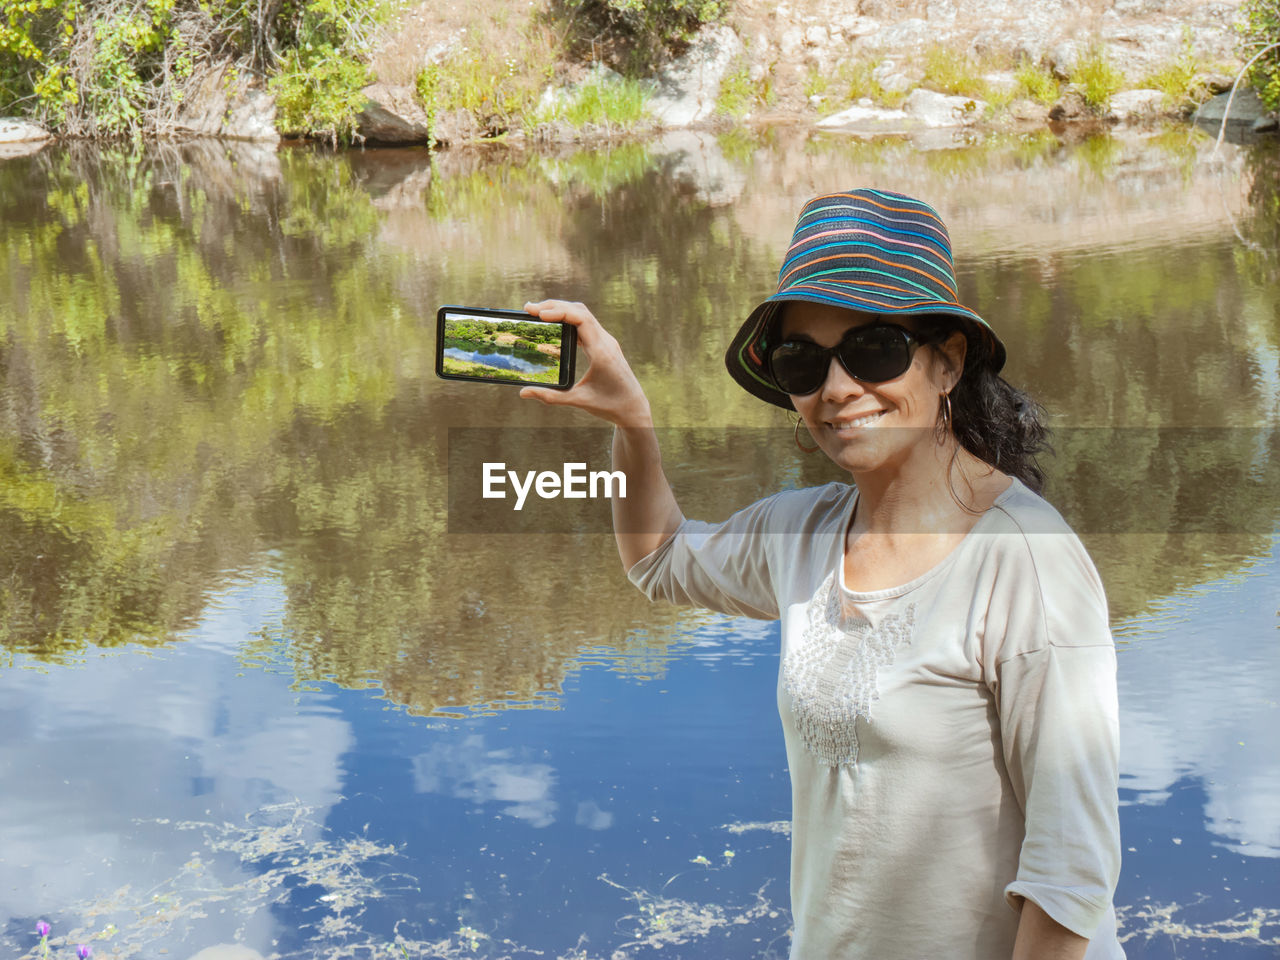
(860, 422)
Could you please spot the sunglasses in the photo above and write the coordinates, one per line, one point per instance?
(872, 354)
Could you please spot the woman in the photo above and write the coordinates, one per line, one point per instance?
(947, 682)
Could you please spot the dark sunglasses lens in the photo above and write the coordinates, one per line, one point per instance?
(798, 367)
(876, 354)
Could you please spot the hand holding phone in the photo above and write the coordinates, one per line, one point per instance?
(609, 389)
(504, 346)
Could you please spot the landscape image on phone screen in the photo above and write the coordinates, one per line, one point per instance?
(502, 349)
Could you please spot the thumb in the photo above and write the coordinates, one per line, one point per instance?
(551, 397)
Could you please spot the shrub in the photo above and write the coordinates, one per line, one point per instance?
(1097, 79)
(499, 85)
(318, 93)
(1260, 37)
(124, 68)
(1176, 78)
(855, 79)
(649, 28)
(948, 71)
(1036, 82)
(736, 92)
(607, 103)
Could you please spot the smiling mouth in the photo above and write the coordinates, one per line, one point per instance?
(849, 426)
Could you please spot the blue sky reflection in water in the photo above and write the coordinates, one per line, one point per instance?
(254, 692)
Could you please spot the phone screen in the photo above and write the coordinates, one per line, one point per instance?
(503, 346)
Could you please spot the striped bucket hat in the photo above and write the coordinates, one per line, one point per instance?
(867, 250)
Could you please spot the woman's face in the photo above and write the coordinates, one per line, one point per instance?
(869, 427)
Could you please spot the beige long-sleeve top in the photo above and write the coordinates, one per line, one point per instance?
(952, 741)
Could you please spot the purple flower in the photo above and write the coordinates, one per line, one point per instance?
(83, 951)
(42, 928)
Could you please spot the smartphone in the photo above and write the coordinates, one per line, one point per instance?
(504, 346)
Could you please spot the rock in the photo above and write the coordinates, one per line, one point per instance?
(1128, 106)
(1139, 8)
(853, 27)
(867, 120)
(816, 36)
(251, 117)
(1023, 110)
(940, 110)
(909, 36)
(891, 78)
(1246, 108)
(940, 11)
(438, 51)
(13, 130)
(896, 83)
(392, 115)
(601, 72)
(1001, 81)
(229, 108)
(1028, 47)
(1265, 125)
(1070, 106)
(687, 89)
(455, 126)
(791, 42)
(1213, 82)
(1064, 58)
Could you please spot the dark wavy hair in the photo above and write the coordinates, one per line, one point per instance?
(990, 417)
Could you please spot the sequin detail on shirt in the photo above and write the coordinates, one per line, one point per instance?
(831, 674)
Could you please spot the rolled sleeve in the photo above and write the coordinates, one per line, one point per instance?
(1058, 717)
(1050, 662)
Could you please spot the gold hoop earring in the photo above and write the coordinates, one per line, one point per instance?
(946, 411)
(812, 449)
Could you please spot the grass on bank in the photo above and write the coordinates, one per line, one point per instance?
(1096, 78)
(1177, 78)
(739, 94)
(1036, 82)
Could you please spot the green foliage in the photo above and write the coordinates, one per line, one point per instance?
(649, 27)
(427, 87)
(1036, 82)
(737, 93)
(319, 93)
(1260, 31)
(1177, 78)
(855, 79)
(949, 71)
(1096, 78)
(483, 331)
(609, 103)
(124, 68)
(816, 82)
(497, 85)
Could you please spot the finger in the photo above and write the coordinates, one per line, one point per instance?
(549, 397)
(590, 330)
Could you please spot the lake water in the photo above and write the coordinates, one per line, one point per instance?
(266, 680)
(502, 360)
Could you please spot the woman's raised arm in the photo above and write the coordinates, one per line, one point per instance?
(649, 514)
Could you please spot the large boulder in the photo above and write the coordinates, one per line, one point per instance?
(392, 114)
(229, 108)
(14, 130)
(1134, 106)
(866, 119)
(18, 138)
(687, 89)
(933, 109)
(1246, 108)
